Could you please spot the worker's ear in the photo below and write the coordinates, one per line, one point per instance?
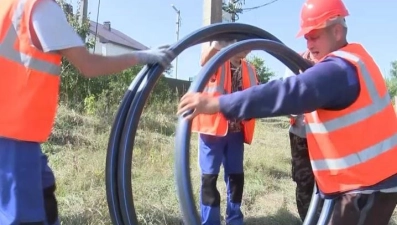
(338, 31)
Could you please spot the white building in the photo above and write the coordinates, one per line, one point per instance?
(110, 41)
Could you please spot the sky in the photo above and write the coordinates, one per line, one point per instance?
(152, 22)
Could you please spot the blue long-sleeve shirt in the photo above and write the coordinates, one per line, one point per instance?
(336, 88)
(330, 84)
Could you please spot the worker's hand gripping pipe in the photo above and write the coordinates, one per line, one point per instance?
(122, 137)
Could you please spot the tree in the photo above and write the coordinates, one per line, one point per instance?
(393, 70)
(391, 81)
(233, 7)
(263, 72)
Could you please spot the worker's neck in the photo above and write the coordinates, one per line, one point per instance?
(235, 62)
(341, 44)
(338, 45)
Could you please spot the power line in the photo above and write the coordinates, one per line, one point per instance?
(96, 24)
(259, 6)
(235, 7)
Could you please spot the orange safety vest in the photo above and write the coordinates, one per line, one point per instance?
(29, 80)
(357, 146)
(221, 83)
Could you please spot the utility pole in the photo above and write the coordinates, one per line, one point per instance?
(212, 13)
(83, 14)
(83, 11)
(178, 26)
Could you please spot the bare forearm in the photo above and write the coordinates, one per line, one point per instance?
(207, 54)
(98, 65)
(91, 65)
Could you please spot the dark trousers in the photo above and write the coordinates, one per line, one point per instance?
(302, 175)
(364, 209)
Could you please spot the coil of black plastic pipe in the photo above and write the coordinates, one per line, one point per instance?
(122, 136)
(182, 141)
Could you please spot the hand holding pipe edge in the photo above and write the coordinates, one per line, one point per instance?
(122, 136)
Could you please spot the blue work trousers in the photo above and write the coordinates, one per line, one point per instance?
(27, 185)
(213, 152)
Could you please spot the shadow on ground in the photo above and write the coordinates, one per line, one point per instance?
(282, 217)
(277, 173)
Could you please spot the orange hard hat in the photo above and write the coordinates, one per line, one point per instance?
(316, 13)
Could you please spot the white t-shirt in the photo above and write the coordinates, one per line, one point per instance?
(52, 28)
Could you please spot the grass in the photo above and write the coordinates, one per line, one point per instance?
(77, 153)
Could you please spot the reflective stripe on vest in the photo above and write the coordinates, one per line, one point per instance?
(220, 88)
(378, 104)
(8, 52)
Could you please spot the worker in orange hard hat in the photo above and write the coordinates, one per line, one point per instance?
(317, 14)
(351, 126)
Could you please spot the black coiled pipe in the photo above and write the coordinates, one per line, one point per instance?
(122, 137)
(182, 142)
